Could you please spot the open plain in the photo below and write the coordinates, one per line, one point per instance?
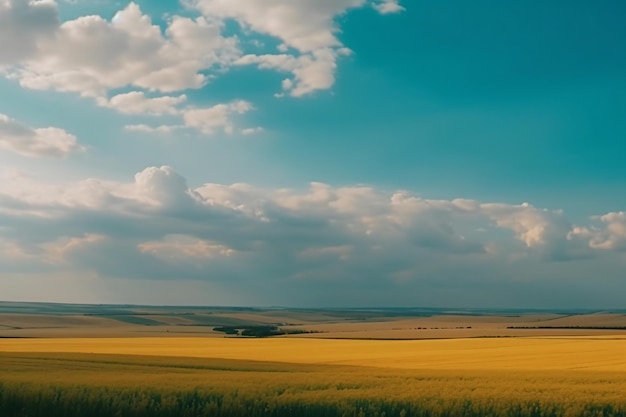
(75, 321)
(164, 361)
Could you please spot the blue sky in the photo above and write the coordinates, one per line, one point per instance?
(398, 153)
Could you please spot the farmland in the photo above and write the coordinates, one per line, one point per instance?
(493, 354)
(285, 377)
(66, 320)
(101, 361)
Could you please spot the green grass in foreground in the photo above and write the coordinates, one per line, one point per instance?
(51, 385)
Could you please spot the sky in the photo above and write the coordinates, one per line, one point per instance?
(314, 153)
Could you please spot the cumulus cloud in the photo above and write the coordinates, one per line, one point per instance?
(238, 236)
(40, 142)
(311, 72)
(215, 118)
(136, 102)
(148, 227)
(23, 24)
(160, 187)
(91, 55)
(610, 237)
(547, 231)
(308, 27)
(206, 120)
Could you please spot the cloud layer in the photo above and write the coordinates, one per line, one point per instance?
(156, 227)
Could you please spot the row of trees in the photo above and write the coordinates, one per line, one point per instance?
(256, 331)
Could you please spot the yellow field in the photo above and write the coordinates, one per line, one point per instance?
(166, 363)
(285, 377)
(522, 354)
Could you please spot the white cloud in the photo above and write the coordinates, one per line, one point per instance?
(547, 231)
(157, 227)
(22, 25)
(91, 55)
(532, 226)
(216, 118)
(361, 213)
(311, 72)
(162, 129)
(136, 102)
(206, 120)
(160, 187)
(308, 26)
(40, 142)
(389, 6)
(612, 236)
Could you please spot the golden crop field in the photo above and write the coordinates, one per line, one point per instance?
(293, 377)
(524, 354)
